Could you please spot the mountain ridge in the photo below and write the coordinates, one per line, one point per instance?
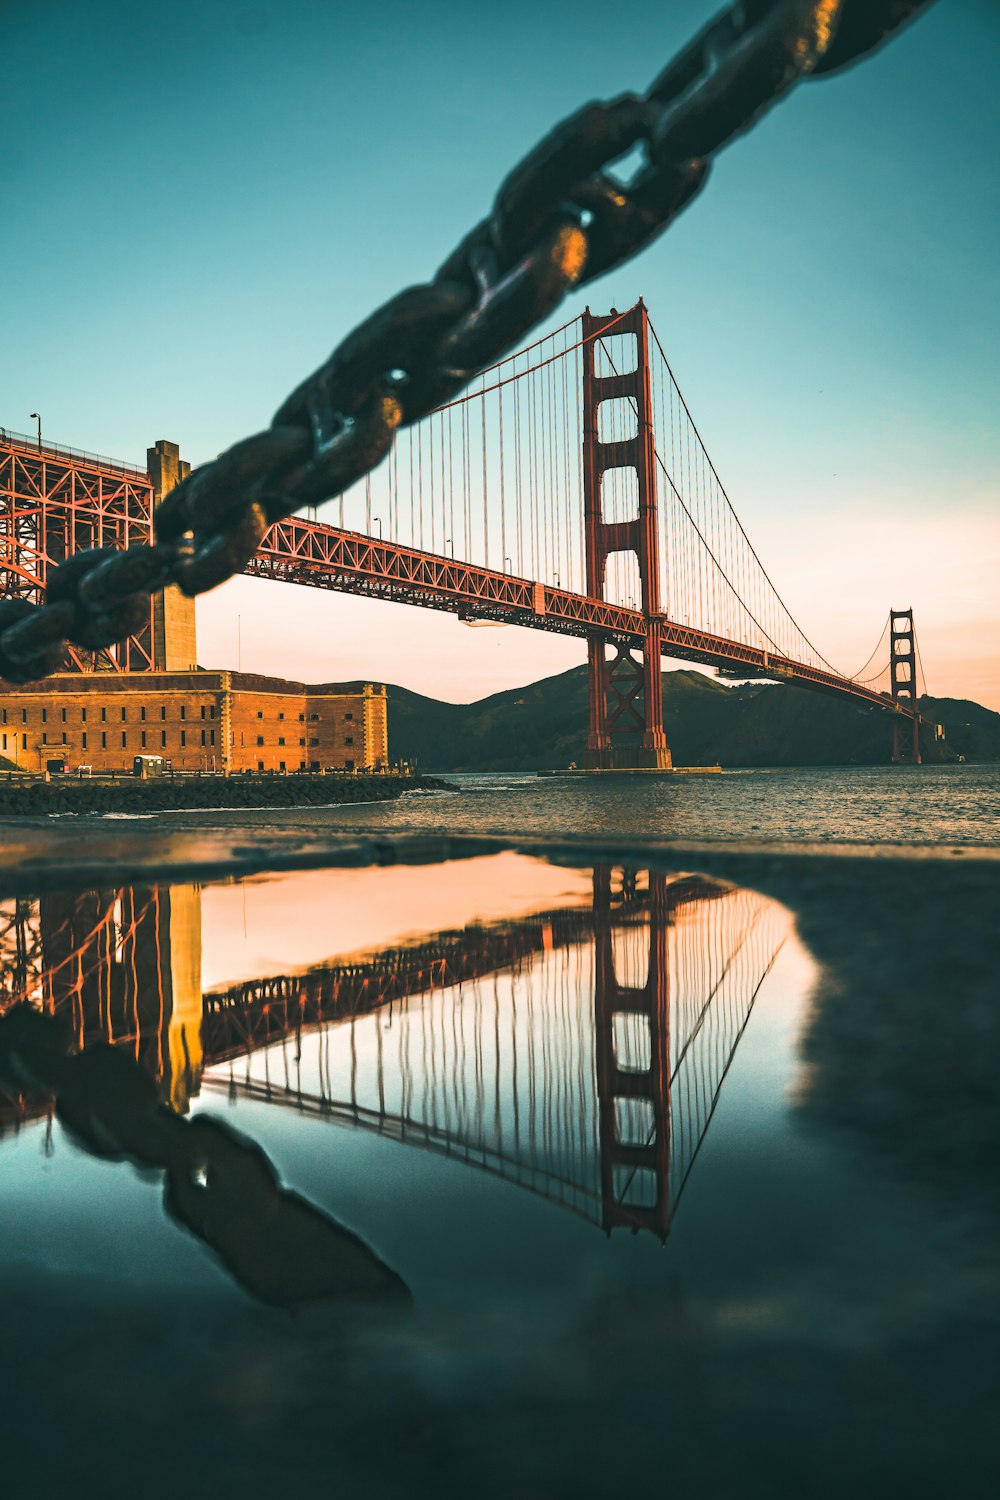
(543, 726)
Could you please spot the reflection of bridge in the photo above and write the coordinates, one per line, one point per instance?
(578, 1053)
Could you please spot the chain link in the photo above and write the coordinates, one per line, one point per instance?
(559, 220)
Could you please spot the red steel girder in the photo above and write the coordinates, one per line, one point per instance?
(54, 502)
(327, 557)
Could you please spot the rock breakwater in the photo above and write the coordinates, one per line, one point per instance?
(30, 798)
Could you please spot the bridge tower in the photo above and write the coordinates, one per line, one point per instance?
(632, 1035)
(626, 690)
(903, 678)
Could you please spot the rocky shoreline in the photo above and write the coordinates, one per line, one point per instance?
(30, 798)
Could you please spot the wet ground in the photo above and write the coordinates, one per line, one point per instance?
(672, 1166)
(938, 806)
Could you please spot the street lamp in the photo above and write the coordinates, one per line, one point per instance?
(449, 543)
(377, 521)
(37, 418)
(505, 567)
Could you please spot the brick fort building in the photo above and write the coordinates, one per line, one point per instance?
(149, 696)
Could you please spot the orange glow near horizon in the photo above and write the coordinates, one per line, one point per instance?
(271, 924)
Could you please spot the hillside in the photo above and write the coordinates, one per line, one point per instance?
(544, 725)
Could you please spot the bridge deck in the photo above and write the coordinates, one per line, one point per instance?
(321, 556)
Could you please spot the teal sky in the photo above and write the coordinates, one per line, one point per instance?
(201, 199)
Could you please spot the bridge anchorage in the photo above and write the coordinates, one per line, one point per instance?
(569, 491)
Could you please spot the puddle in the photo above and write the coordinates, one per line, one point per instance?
(498, 1163)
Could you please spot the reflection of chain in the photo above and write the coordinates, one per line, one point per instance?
(558, 220)
(219, 1185)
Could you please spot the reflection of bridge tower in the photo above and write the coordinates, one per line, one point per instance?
(632, 1034)
(125, 967)
(578, 1053)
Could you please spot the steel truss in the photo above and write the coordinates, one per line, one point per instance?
(54, 502)
(326, 557)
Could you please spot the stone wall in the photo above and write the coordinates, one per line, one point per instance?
(199, 721)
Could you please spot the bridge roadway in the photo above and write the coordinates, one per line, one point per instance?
(47, 494)
(311, 553)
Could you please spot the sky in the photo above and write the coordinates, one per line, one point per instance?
(202, 199)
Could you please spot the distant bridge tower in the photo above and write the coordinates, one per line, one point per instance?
(903, 677)
(626, 692)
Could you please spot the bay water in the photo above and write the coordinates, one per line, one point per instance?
(623, 1177)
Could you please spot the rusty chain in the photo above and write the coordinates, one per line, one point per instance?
(559, 220)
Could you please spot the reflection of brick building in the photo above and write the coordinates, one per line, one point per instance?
(227, 721)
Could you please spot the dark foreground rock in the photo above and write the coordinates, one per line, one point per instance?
(36, 798)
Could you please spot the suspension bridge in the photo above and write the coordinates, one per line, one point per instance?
(568, 490)
(578, 1053)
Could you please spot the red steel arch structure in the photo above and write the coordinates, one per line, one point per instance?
(55, 501)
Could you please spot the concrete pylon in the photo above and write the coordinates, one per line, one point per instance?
(175, 643)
